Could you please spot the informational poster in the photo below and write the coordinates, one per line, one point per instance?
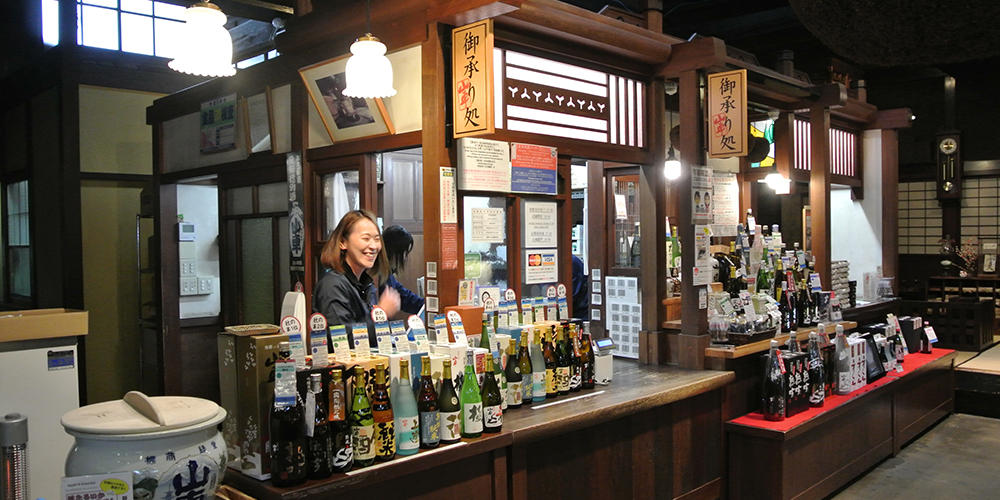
(472, 74)
(621, 207)
(701, 194)
(540, 229)
(449, 196)
(483, 165)
(533, 168)
(727, 114)
(449, 246)
(726, 198)
(701, 275)
(467, 292)
(296, 218)
(542, 266)
(487, 225)
(218, 124)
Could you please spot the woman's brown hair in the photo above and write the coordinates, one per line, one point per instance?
(334, 258)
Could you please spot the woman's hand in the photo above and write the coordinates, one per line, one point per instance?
(389, 301)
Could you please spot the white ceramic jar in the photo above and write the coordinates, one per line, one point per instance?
(171, 445)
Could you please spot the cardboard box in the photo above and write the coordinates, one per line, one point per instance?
(255, 358)
(456, 353)
(472, 319)
(42, 324)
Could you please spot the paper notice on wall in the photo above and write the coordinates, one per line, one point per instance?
(533, 169)
(726, 198)
(542, 266)
(701, 275)
(487, 225)
(449, 197)
(701, 194)
(483, 165)
(540, 228)
(702, 248)
(449, 246)
(621, 207)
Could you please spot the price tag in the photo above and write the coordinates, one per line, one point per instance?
(931, 336)
(338, 340)
(561, 291)
(727, 306)
(526, 311)
(752, 284)
(383, 338)
(112, 486)
(510, 295)
(441, 330)
(814, 282)
(550, 292)
(360, 333)
(539, 308)
(702, 298)
(488, 305)
(290, 326)
(418, 333)
(457, 330)
(748, 305)
(317, 340)
(551, 308)
(563, 308)
(398, 331)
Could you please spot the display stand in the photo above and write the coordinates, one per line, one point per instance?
(812, 454)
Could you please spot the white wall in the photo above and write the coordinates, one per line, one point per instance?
(856, 226)
(200, 205)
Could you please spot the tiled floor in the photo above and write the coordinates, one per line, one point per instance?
(956, 459)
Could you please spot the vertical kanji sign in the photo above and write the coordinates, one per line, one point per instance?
(472, 78)
(727, 114)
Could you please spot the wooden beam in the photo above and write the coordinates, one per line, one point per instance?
(694, 322)
(329, 32)
(829, 95)
(784, 144)
(891, 119)
(819, 189)
(652, 211)
(459, 13)
(890, 204)
(696, 54)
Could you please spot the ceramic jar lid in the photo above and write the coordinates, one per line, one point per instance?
(137, 413)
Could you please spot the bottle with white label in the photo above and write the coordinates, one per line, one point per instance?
(513, 374)
(404, 410)
(288, 442)
(450, 411)
(492, 400)
(842, 366)
(472, 401)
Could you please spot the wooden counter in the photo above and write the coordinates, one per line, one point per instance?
(802, 335)
(654, 429)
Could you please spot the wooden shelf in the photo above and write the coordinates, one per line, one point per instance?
(763, 345)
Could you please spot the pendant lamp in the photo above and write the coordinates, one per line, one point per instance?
(672, 166)
(207, 48)
(369, 72)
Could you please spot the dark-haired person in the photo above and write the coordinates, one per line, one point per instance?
(398, 243)
(357, 265)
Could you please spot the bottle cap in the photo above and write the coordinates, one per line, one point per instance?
(13, 429)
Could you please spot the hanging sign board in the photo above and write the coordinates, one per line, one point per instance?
(472, 80)
(533, 168)
(218, 124)
(727, 114)
(483, 165)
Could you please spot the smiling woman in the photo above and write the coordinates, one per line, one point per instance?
(357, 268)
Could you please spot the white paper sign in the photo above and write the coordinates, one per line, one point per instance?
(111, 486)
(487, 225)
(449, 196)
(726, 199)
(931, 336)
(701, 194)
(484, 165)
(542, 266)
(540, 229)
(701, 275)
(621, 208)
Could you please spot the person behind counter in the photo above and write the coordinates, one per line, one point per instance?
(357, 264)
(398, 244)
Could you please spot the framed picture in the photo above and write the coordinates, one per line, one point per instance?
(345, 117)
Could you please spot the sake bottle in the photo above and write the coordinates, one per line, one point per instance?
(538, 369)
(773, 385)
(362, 422)
(385, 432)
(405, 417)
(472, 401)
(427, 406)
(491, 399)
(513, 372)
(842, 354)
(524, 360)
(817, 393)
(340, 429)
(449, 408)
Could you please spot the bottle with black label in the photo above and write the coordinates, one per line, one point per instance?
(385, 429)
(340, 429)
(491, 398)
(773, 385)
(449, 409)
(288, 442)
(320, 458)
(427, 406)
(817, 379)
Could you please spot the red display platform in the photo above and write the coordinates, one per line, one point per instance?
(910, 364)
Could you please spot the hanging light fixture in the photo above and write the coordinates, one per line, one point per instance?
(778, 183)
(369, 72)
(207, 47)
(672, 166)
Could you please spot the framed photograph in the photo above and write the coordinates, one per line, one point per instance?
(345, 117)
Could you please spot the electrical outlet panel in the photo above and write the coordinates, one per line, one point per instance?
(188, 267)
(205, 285)
(189, 286)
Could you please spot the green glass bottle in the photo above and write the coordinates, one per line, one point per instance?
(472, 402)
(524, 360)
(487, 335)
(385, 429)
(449, 408)
(362, 422)
(491, 399)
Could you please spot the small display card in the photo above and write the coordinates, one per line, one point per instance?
(111, 486)
(360, 333)
(338, 340)
(290, 326)
(398, 331)
(317, 340)
(419, 333)
(457, 330)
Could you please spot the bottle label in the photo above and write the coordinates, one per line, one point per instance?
(344, 456)
(514, 393)
(844, 382)
(407, 433)
(309, 415)
(385, 439)
(284, 384)
(451, 425)
(494, 416)
(337, 410)
(562, 378)
(575, 380)
(538, 383)
(526, 390)
(430, 427)
(363, 439)
(472, 418)
(550, 381)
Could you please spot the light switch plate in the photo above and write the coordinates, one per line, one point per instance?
(189, 286)
(204, 285)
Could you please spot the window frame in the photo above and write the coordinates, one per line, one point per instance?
(8, 296)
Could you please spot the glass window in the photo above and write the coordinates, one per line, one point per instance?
(246, 63)
(341, 194)
(103, 3)
(168, 35)
(18, 263)
(137, 34)
(626, 211)
(138, 6)
(272, 197)
(100, 27)
(258, 270)
(50, 22)
(169, 11)
(239, 201)
(485, 252)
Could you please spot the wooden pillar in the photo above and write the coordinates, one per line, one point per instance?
(890, 204)
(652, 197)
(435, 155)
(596, 236)
(694, 322)
(784, 144)
(819, 189)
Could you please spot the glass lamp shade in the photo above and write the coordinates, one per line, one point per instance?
(778, 183)
(369, 72)
(207, 48)
(672, 166)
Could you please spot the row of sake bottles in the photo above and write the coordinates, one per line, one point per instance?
(315, 431)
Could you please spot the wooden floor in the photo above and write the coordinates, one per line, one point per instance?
(955, 459)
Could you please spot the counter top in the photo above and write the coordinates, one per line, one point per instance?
(635, 388)
(42, 324)
(802, 335)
